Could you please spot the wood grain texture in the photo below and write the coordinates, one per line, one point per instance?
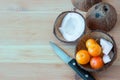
(25, 31)
(35, 5)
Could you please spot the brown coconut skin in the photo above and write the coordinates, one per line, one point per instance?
(101, 16)
(84, 5)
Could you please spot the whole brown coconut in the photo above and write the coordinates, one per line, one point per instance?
(101, 16)
(84, 5)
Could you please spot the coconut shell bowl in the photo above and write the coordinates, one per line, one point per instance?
(97, 35)
(58, 23)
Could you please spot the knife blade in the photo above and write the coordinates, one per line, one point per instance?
(71, 62)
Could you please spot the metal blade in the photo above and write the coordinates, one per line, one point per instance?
(60, 53)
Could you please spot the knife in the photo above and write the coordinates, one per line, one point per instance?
(71, 62)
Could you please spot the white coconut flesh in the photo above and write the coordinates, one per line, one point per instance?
(106, 45)
(72, 27)
(106, 59)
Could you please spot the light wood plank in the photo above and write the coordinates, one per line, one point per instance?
(31, 54)
(35, 72)
(21, 71)
(26, 28)
(35, 5)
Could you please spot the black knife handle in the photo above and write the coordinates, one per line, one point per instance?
(82, 73)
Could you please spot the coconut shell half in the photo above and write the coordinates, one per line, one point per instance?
(101, 16)
(58, 23)
(84, 5)
(81, 45)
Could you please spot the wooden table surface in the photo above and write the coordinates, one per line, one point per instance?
(25, 31)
